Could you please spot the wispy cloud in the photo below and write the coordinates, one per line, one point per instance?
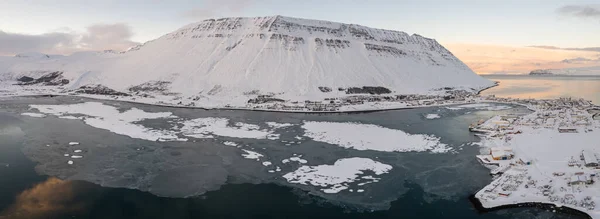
(96, 38)
(577, 60)
(582, 11)
(212, 8)
(591, 49)
(489, 59)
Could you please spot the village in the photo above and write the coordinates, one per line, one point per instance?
(340, 104)
(550, 156)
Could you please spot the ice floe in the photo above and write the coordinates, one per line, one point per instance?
(432, 116)
(69, 117)
(275, 125)
(37, 115)
(70, 162)
(109, 118)
(298, 159)
(266, 163)
(252, 155)
(207, 127)
(230, 143)
(73, 143)
(339, 176)
(371, 137)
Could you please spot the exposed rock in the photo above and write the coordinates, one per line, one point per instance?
(50, 79)
(264, 99)
(384, 49)
(325, 89)
(368, 90)
(99, 90)
(151, 86)
(25, 79)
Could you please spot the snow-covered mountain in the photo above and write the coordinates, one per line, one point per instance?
(232, 60)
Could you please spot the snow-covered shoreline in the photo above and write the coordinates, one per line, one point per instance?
(377, 106)
(532, 153)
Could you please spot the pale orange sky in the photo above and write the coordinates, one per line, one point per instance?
(492, 59)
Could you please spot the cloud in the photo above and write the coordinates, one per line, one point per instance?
(13, 43)
(576, 60)
(591, 49)
(97, 37)
(583, 11)
(487, 59)
(107, 36)
(213, 8)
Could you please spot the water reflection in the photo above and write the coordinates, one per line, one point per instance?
(543, 87)
(48, 199)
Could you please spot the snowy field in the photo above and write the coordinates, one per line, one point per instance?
(548, 166)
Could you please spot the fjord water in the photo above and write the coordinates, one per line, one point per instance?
(428, 185)
(544, 87)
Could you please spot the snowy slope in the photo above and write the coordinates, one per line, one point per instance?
(230, 59)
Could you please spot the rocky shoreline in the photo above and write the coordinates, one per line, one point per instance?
(544, 206)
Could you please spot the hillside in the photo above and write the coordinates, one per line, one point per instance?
(233, 61)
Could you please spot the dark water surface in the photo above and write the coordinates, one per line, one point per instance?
(421, 184)
(543, 87)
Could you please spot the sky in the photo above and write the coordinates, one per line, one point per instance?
(66, 26)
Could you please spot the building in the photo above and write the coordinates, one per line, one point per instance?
(580, 179)
(589, 158)
(567, 130)
(502, 153)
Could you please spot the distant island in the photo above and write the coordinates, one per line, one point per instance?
(541, 72)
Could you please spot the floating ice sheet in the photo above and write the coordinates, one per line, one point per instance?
(338, 177)
(207, 127)
(432, 116)
(37, 115)
(109, 118)
(371, 137)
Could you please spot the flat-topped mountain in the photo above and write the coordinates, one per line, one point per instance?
(230, 61)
